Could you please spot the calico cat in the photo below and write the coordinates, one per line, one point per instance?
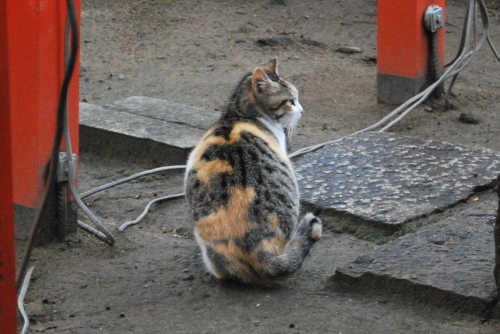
(241, 187)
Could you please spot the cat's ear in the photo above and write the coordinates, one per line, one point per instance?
(259, 80)
(271, 66)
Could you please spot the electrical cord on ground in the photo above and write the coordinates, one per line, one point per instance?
(126, 179)
(54, 157)
(461, 60)
(129, 178)
(146, 210)
(102, 233)
(20, 300)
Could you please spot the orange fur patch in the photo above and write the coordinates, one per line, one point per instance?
(268, 138)
(228, 223)
(205, 169)
(277, 244)
(233, 251)
(273, 221)
(209, 140)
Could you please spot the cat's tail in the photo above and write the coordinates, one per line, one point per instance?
(307, 233)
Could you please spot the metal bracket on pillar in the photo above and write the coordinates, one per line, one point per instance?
(66, 208)
(434, 21)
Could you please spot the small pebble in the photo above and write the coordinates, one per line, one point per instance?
(188, 278)
(452, 105)
(469, 118)
(275, 41)
(349, 49)
(277, 3)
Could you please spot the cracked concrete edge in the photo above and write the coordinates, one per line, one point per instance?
(142, 129)
(323, 180)
(161, 110)
(405, 290)
(448, 264)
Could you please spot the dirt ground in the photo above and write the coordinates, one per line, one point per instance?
(153, 280)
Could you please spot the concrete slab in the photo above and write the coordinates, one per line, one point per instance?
(386, 180)
(143, 128)
(449, 263)
(173, 113)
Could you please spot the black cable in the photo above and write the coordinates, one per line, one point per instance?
(434, 64)
(52, 174)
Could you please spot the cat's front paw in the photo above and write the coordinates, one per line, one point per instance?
(315, 226)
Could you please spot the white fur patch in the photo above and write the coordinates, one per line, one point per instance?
(277, 130)
(189, 166)
(316, 231)
(316, 228)
(206, 260)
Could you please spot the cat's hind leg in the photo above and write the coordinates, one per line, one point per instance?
(306, 234)
(207, 259)
(310, 226)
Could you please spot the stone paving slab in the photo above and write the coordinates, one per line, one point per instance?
(388, 179)
(449, 263)
(173, 113)
(143, 128)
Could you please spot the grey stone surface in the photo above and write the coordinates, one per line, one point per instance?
(143, 128)
(161, 110)
(388, 179)
(449, 263)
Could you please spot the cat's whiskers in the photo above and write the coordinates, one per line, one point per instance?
(290, 126)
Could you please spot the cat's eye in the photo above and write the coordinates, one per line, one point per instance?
(292, 102)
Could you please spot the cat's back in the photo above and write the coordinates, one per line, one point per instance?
(241, 188)
(239, 171)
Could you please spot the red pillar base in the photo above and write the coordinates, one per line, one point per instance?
(34, 44)
(394, 89)
(403, 49)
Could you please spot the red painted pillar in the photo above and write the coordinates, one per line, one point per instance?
(403, 49)
(31, 73)
(34, 54)
(8, 306)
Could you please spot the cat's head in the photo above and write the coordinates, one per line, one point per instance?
(278, 98)
(263, 93)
